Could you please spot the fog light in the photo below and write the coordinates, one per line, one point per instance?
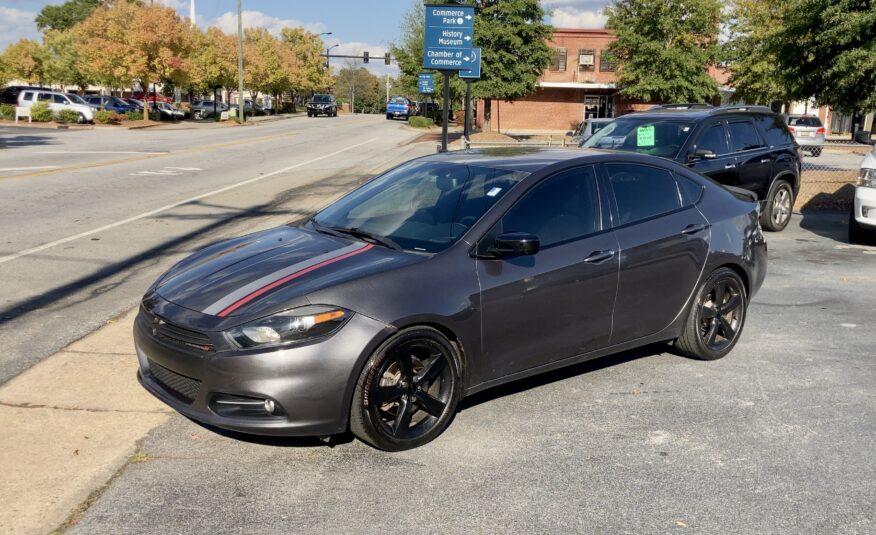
(269, 406)
(865, 211)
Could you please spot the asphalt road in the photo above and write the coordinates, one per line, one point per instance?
(778, 437)
(89, 218)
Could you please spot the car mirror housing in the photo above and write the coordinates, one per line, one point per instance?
(704, 154)
(515, 244)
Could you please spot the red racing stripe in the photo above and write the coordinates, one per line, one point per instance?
(289, 277)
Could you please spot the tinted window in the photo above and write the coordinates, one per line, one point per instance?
(743, 136)
(561, 208)
(59, 99)
(642, 192)
(714, 139)
(28, 96)
(690, 190)
(422, 206)
(804, 121)
(775, 131)
(646, 135)
(45, 97)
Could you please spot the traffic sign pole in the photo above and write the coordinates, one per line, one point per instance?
(445, 112)
(467, 130)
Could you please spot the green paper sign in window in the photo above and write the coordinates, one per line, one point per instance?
(645, 136)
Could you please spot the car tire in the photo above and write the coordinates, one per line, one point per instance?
(858, 233)
(708, 333)
(816, 152)
(388, 117)
(416, 377)
(779, 206)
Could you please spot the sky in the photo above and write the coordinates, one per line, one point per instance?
(356, 25)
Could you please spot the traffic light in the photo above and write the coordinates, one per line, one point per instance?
(365, 57)
(386, 58)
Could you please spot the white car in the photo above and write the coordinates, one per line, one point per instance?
(862, 221)
(58, 101)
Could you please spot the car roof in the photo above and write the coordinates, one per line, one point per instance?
(527, 159)
(693, 114)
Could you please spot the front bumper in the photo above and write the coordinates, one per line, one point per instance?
(311, 385)
(865, 202)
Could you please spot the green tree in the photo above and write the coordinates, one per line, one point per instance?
(24, 61)
(306, 48)
(664, 48)
(358, 81)
(66, 15)
(62, 63)
(827, 50)
(755, 74)
(212, 61)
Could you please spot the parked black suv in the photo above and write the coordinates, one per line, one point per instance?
(322, 105)
(744, 146)
(9, 95)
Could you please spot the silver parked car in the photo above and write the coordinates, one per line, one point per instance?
(587, 129)
(202, 109)
(808, 132)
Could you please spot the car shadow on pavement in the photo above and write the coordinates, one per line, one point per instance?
(279, 441)
(831, 224)
(15, 142)
(561, 374)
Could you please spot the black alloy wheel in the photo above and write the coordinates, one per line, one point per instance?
(407, 392)
(716, 320)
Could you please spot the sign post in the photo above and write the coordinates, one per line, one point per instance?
(472, 74)
(449, 33)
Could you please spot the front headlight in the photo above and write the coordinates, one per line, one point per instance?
(289, 326)
(867, 178)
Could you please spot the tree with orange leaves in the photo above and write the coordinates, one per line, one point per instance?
(269, 67)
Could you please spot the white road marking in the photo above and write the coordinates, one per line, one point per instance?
(848, 325)
(28, 168)
(151, 213)
(98, 152)
(160, 172)
(185, 168)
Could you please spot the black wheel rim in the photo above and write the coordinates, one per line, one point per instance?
(721, 313)
(411, 389)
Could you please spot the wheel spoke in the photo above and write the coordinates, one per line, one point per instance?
(430, 371)
(386, 394)
(404, 363)
(712, 333)
(430, 404)
(731, 304)
(726, 329)
(403, 418)
(708, 312)
(720, 290)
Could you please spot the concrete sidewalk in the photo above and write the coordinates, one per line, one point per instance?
(70, 423)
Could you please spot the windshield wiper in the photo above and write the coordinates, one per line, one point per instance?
(356, 233)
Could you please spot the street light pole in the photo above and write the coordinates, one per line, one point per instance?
(327, 51)
(240, 103)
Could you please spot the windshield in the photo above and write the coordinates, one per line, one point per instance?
(646, 135)
(399, 100)
(75, 99)
(421, 206)
(322, 98)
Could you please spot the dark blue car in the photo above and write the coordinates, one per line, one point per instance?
(400, 107)
(109, 103)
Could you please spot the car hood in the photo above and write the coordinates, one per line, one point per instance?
(256, 275)
(869, 161)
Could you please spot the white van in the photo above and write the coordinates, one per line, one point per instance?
(58, 101)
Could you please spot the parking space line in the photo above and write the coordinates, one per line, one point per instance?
(150, 213)
(29, 168)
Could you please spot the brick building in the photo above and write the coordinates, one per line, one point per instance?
(579, 84)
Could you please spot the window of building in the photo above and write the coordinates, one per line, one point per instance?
(606, 61)
(558, 59)
(586, 59)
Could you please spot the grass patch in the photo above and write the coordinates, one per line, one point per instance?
(420, 122)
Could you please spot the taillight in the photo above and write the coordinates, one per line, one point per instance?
(820, 130)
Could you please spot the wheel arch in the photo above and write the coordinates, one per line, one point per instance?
(746, 282)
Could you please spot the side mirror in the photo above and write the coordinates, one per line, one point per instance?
(704, 154)
(570, 133)
(515, 244)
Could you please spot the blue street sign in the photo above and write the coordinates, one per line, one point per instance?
(448, 38)
(426, 84)
(475, 71)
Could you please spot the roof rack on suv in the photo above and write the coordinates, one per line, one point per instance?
(741, 107)
(682, 106)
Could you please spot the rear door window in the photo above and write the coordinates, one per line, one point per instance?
(642, 191)
(775, 131)
(714, 138)
(45, 97)
(28, 96)
(60, 99)
(743, 136)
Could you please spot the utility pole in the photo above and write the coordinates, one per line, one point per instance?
(387, 90)
(240, 101)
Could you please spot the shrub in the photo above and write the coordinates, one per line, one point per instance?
(420, 122)
(107, 117)
(134, 115)
(40, 112)
(67, 116)
(7, 112)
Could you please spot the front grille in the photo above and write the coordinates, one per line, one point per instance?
(174, 333)
(185, 388)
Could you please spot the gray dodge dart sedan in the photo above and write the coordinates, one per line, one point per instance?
(445, 276)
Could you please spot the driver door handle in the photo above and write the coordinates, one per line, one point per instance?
(693, 228)
(598, 257)
(730, 166)
(767, 160)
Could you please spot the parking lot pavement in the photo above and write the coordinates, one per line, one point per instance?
(778, 437)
